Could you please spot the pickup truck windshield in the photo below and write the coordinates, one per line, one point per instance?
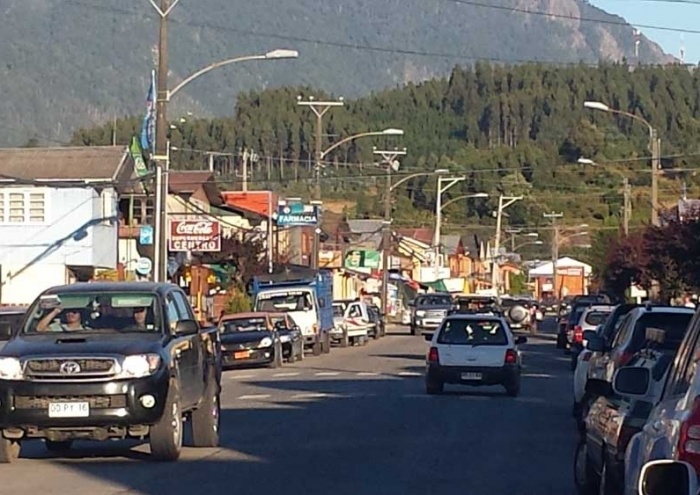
(434, 301)
(94, 312)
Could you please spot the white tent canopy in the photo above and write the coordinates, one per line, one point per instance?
(545, 269)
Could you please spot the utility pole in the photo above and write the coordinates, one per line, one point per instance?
(162, 154)
(389, 159)
(503, 203)
(655, 169)
(319, 108)
(626, 207)
(555, 250)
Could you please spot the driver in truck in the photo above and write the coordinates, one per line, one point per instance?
(71, 319)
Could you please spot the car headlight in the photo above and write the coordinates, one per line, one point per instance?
(10, 369)
(140, 365)
(420, 312)
(266, 342)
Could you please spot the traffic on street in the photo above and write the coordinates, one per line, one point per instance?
(355, 421)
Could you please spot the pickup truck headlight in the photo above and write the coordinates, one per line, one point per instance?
(266, 342)
(420, 312)
(139, 365)
(10, 369)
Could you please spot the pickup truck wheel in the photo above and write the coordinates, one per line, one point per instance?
(301, 350)
(58, 447)
(9, 450)
(207, 418)
(376, 333)
(166, 435)
(344, 340)
(292, 355)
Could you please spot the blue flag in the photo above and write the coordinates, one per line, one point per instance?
(148, 126)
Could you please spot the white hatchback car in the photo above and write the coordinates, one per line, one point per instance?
(473, 349)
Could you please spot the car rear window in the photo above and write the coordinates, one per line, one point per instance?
(596, 317)
(674, 324)
(244, 325)
(472, 332)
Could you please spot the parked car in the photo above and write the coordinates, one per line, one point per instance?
(613, 420)
(473, 350)
(250, 339)
(428, 311)
(11, 318)
(519, 313)
(109, 360)
(591, 318)
(290, 336)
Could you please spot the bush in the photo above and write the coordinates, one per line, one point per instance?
(238, 303)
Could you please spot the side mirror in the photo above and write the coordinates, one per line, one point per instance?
(598, 388)
(186, 327)
(631, 380)
(667, 477)
(520, 340)
(594, 342)
(5, 331)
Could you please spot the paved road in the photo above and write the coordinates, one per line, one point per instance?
(354, 422)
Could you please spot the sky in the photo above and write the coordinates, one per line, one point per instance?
(683, 14)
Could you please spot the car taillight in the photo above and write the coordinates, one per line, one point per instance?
(511, 356)
(433, 355)
(586, 356)
(689, 440)
(578, 334)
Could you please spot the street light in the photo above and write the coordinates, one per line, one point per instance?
(654, 149)
(466, 196)
(385, 132)
(586, 161)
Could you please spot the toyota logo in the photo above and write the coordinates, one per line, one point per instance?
(69, 368)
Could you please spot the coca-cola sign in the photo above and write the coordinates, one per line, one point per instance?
(201, 235)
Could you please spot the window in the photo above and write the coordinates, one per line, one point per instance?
(18, 206)
(183, 306)
(472, 332)
(596, 318)
(173, 315)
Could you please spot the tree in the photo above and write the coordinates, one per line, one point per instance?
(240, 259)
(626, 264)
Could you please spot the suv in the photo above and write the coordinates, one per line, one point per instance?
(519, 313)
(428, 310)
(99, 361)
(473, 350)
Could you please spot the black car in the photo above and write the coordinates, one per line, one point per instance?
(11, 318)
(99, 361)
(250, 339)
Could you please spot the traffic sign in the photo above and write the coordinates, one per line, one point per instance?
(146, 235)
(144, 266)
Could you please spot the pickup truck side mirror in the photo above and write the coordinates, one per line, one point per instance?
(186, 327)
(631, 380)
(5, 331)
(594, 342)
(598, 388)
(667, 477)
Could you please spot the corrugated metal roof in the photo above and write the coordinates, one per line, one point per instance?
(67, 163)
(257, 202)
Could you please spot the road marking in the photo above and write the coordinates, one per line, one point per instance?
(327, 373)
(536, 375)
(286, 374)
(410, 373)
(254, 397)
(312, 395)
(367, 373)
(242, 377)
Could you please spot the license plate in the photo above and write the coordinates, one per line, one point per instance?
(69, 409)
(471, 376)
(241, 355)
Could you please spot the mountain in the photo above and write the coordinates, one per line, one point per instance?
(67, 64)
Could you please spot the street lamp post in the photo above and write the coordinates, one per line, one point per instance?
(654, 149)
(503, 203)
(439, 206)
(161, 157)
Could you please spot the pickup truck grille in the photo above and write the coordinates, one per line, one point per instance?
(436, 313)
(70, 369)
(96, 401)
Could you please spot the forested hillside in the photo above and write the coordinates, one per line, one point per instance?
(517, 130)
(66, 64)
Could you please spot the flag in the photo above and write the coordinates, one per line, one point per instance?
(148, 127)
(137, 156)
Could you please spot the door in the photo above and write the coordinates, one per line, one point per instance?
(183, 352)
(184, 309)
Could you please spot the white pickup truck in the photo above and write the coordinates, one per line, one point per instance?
(351, 323)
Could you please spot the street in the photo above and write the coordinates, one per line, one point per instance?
(356, 421)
